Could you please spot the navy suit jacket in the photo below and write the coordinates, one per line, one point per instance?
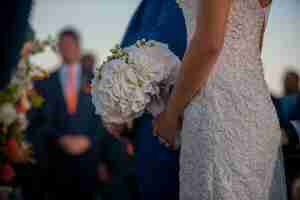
(53, 120)
(55, 168)
(160, 20)
(156, 170)
(288, 110)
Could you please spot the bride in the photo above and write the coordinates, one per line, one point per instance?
(230, 135)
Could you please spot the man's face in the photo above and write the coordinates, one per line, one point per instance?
(69, 49)
(292, 82)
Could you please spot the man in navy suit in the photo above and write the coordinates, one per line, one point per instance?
(68, 139)
(157, 168)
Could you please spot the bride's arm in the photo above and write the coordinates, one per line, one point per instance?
(202, 54)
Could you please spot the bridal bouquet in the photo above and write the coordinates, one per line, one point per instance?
(134, 80)
(15, 100)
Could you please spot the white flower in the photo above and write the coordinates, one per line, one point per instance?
(118, 96)
(126, 86)
(8, 114)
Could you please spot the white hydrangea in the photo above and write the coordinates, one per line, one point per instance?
(8, 114)
(127, 87)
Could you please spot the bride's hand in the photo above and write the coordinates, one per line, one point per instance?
(165, 127)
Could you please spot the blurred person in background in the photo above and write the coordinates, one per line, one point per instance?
(291, 83)
(288, 110)
(69, 141)
(88, 64)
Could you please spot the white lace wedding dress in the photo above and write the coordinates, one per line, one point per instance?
(231, 137)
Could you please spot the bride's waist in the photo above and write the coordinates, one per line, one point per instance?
(232, 91)
(238, 69)
(240, 56)
(237, 80)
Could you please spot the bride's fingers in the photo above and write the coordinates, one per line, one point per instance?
(155, 124)
(165, 143)
(168, 145)
(161, 140)
(155, 128)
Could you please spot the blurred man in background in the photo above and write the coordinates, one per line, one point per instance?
(68, 138)
(288, 109)
(291, 83)
(88, 64)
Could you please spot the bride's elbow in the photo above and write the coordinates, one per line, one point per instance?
(210, 48)
(214, 51)
(215, 47)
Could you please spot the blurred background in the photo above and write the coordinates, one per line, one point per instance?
(77, 156)
(103, 22)
(69, 140)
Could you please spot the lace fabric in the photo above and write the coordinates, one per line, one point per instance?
(231, 137)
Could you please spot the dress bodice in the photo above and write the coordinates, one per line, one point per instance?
(230, 147)
(245, 22)
(240, 59)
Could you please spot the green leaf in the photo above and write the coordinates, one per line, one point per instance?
(37, 100)
(9, 94)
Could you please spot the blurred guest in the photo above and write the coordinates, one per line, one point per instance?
(288, 110)
(291, 83)
(88, 62)
(288, 105)
(68, 138)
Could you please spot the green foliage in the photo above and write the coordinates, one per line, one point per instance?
(9, 94)
(37, 101)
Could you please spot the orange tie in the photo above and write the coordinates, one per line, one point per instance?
(70, 92)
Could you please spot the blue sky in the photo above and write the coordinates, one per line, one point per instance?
(103, 22)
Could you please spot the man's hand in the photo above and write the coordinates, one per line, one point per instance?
(75, 144)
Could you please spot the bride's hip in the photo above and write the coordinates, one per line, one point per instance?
(223, 102)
